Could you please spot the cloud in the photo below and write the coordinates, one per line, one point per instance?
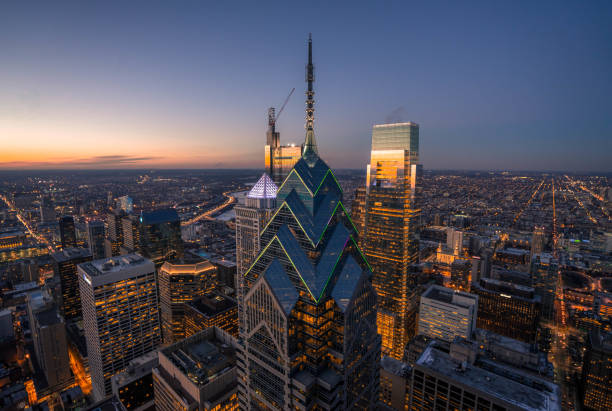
(107, 161)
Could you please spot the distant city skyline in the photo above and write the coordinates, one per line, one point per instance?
(493, 86)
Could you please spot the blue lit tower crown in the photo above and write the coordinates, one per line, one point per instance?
(309, 329)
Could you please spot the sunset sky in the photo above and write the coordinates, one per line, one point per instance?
(187, 84)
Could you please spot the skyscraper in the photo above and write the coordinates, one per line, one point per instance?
(67, 231)
(597, 371)
(309, 331)
(279, 159)
(114, 225)
(120, 315)
(160, 235)
(65, 268)
(537, 240)
(179, 283)
(251, 218)
(391, 223)
(446, 314)
(95, 238)
(47, 212)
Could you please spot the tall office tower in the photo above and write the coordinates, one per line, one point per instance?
(47, 212)
(358, 212)
(65, 268)
(160, 235)
(597, 371)
(131, 234)
(179, 283)
(309, 334)
(67, 232)
(120, 315)
(508, 309)
(251, 218)
(212, 310)
(114, 227)
(198, 373)
(125, 204)
(95, 238)
(454, 241)
(49, 339)
(464, 380)
(544, 270)
(279, 159)
(460, 274)
(445, 314)
(391, 244)
(537, 240)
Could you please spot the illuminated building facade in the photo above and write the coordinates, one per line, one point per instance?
(392, 216)
(160, 235)
(65, 268)
(445, 314)
(95, 239)
(120, 315)
(537, 240)
(309, 305)
(507, 309)
(358, 212)
(67, 232)
(134, 386)
(47, 212)
(179, 283)
(460, 272)
(597, 372)
(212, 310)
(462, 380)
(250, 221)
(544, 270)
(197, 373)
(114, 227)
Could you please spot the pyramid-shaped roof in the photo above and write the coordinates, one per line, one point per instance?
(264, 188)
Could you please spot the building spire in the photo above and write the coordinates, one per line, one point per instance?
(310, 145)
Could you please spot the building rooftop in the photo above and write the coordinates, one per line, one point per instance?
(71, 253)
(202, 357)
(531, 393)
(114, 264)
(159, 216)
(137, 368)
(264, 188)
(450, 296)
(48, 317)
(212, 304)
(393, 366)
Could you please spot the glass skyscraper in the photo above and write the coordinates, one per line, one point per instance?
(391, 223)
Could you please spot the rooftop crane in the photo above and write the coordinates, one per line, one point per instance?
(273, 118)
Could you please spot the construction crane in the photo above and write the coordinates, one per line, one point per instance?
(273, 118)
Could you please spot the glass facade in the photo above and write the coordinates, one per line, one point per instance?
(391, 225)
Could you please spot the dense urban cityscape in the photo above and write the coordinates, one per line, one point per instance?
(295, 286)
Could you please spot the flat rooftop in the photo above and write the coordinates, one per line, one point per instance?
(114, 264)
(533, 394)
(449, 296)
(201, 357)
(70, 254)
(212, 304)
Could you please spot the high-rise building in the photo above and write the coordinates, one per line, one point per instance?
(597, 371)
(461, 380)
(198, 373)
(160, 235)
(358, 212)
(181, 281)
(445, 314)
(544, 272)
(67, 232)
(47, 212)
(251, 218)
(279, 159)
(309, 338)
(125, 204)
(508, 309)
(120, 315)
(95, 239)
(454, 241)
(134, 386)
(537, 240)
(212, 310)
(391, 225)
(65, 268)
(114, 226)
(49, 339)
(131, 234)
